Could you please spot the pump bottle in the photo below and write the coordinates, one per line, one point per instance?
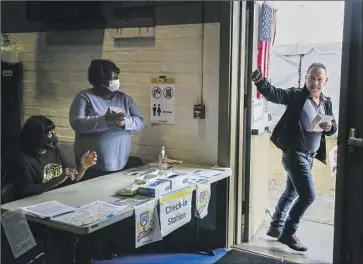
(163, 161)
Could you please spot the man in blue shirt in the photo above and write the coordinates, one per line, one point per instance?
(103, 118)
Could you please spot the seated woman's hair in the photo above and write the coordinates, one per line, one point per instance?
(101, 71)
(34, 135)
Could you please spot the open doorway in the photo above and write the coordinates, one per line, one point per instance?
(296, 47)
(299, 41)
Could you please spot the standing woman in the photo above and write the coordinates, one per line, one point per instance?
(103, 119)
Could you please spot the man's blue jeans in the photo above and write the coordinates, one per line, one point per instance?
(299, 192)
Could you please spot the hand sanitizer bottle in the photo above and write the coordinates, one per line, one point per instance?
(163, 162)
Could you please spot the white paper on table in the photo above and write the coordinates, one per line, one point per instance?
(48, 209)
(140, 172)
(207, 173)
(17, 232)
(129, 202)
(319, 119)
(90, 213)
(199, 172)
(197, 179)
(188, 171)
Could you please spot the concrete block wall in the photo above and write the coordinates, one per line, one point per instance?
(56, 66)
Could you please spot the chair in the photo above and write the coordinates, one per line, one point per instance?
(7, 194)
(67, 149)
(6, 186)
(133, 162)
(35, 255)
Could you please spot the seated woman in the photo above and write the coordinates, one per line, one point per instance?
(39, 166)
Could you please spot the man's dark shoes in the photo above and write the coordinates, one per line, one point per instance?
(273, 232)
(292, 242)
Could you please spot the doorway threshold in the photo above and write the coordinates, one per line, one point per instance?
(317, 237)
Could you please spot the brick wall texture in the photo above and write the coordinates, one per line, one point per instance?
(56, 65)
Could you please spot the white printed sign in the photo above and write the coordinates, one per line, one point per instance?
(162, 94)
(202, 198)
(17, 232)
(147, 227)
(175, 210)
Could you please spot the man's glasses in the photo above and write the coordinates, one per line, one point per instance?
(314, 80)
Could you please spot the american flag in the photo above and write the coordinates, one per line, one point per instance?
(267, 38)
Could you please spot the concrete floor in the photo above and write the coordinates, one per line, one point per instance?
(318, 237)
(316, 231)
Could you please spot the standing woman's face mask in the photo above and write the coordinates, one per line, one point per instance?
(114, 83)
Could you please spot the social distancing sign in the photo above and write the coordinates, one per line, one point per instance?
(162, 94)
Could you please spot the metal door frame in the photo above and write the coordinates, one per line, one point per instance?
(348, 236)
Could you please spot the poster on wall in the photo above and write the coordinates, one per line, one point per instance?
(162, 106)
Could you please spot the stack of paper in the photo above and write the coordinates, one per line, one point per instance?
(129, 190)
(132, 203)
(90, 213)
(140, 172)
(197, 179)
(207, 173)
(48, 209)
